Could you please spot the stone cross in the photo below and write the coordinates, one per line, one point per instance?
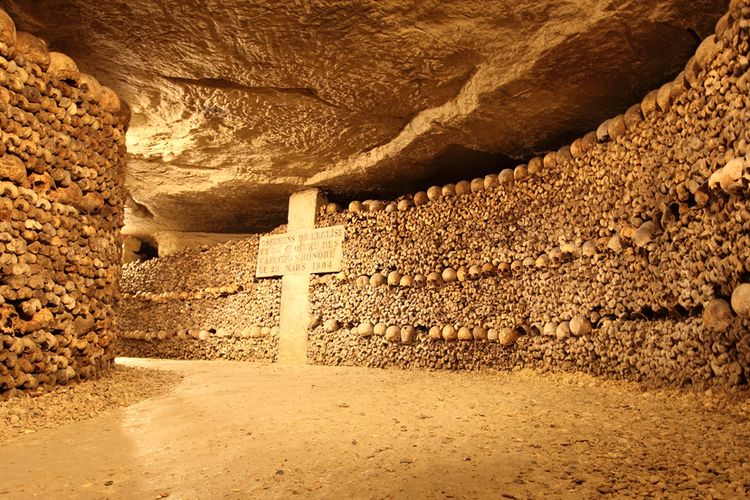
(295, 255)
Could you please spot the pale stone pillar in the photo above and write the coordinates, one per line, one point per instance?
(295, 288)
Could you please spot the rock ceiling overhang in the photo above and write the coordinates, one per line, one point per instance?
(238, 104)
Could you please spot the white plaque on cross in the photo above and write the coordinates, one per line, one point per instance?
(305, 251)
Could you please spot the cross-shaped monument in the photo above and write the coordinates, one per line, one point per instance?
(295, 255)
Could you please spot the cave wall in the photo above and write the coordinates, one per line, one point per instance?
(201, 303)
(603, 257)
(624, 254)
(62, 158)
(169, 242)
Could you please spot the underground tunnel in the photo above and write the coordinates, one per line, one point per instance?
(374, 249)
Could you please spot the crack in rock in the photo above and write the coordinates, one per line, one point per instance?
(225, 84)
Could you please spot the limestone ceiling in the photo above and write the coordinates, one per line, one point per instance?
(238, 104)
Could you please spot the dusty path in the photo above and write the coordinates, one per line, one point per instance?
(122, 386)
(239, 430)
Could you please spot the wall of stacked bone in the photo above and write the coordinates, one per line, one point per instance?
(62, 158)
(201, 303)
(625, 254)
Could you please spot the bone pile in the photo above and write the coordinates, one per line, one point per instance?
(624, 254)
(62, 158)
(201, 303)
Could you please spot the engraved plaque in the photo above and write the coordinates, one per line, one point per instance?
(309, 251)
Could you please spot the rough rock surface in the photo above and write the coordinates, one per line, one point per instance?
(170, 242)
(236, 105)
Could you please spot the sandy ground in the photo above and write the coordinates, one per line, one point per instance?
(241, 430)
(122, 386)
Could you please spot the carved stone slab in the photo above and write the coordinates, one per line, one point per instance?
(311, 251)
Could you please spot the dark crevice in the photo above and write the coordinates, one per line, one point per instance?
(680, 311)
(149, 250)
(455, 163)
(695, 36)
(189, 166)
(224, 84)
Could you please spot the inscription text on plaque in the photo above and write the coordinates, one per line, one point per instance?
(306, 251)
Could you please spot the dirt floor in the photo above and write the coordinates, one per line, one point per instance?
(122, 386)
(241, 430)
